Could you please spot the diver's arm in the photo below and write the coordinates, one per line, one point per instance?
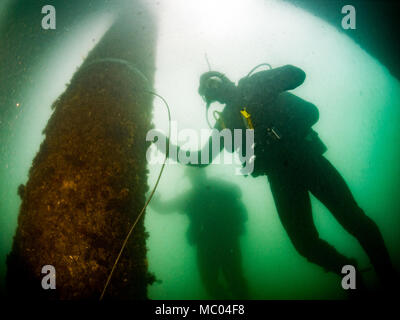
(207, 152)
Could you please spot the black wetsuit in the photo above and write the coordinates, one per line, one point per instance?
(291, 154)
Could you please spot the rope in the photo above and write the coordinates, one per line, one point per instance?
(147, 202)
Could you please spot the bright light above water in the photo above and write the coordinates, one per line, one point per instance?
(237, 35)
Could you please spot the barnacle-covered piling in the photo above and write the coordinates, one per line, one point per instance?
(88, 181)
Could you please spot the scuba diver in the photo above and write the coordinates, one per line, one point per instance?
(216, 221)
(290, 153)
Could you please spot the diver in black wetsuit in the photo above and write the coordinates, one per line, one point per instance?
(290, 153)
(216, 221)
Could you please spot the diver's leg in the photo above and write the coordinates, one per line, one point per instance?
(329, 187)
(233, 271)
(294, 208)
(209, 266)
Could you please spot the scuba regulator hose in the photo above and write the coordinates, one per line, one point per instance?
(218, 115)
(142, 76)
(257, 66)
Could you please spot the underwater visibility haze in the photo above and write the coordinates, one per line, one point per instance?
(171, 44)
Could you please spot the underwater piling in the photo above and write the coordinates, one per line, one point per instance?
(88, 181)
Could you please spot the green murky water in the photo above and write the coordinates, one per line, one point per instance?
(357, 98)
